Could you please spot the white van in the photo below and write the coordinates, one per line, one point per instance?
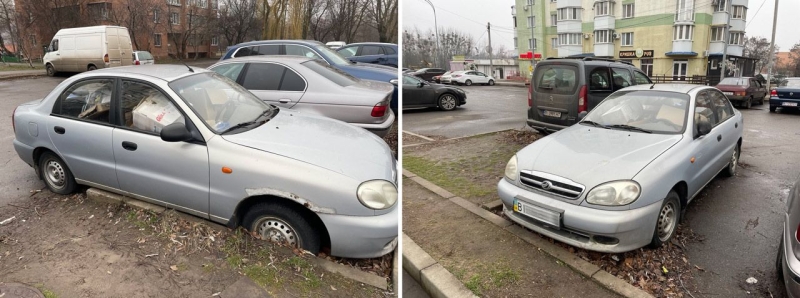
(88, 48)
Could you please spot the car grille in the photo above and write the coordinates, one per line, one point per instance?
(552, 185)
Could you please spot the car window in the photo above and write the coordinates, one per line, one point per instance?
(334, 75)
(621, 78)
(641, 78)
(389, 51)
(722, 106)
(86, 100)
(269, 49)
(656, 111)
(230, 71)
(144, 55)
(246, 51)
(263, 76)
(296, 50)
(54, 45)
(348, 52)
(371, 50)
(292, 81)
(480, 74)
(599, 80)
(407, 80)
(147, 109)
(704, 108)
(558, 79)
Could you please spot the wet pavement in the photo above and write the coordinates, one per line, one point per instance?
(488, 109)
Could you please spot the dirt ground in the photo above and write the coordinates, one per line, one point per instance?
(69, 246)
(471, 167)
(487, 259)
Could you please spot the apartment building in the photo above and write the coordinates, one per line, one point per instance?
(673, 38)
(166, 28)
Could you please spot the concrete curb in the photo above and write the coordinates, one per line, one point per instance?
(396, 272)
(103, 196)
(20, 76)
(513, 84)
(581, 266)
(432, 276)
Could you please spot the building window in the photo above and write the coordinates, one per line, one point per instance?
(683, 32)
(627, 39)
(570, 39)
(174, 2)
(32, 39)
(553, 20)
(531, 22)
(627, 11)
(554, 42)
(104, 13)
(721, 6)
(647, 67)
(214, 4)
(679, 70)
(215, 41)
(530, 2)
(553, 1)
(685, 12)
(603, 36)
(717, 33)
(736, 38)
(202, 3)
(739, 12)
(156, 15)
(30, 17)
(569, 13)
(531, 44)
(157, 39)
(515, 42)
(174, 18)
(603, 8)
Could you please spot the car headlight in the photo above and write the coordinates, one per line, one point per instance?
(377, 194)
(512, 173)
(615, 193)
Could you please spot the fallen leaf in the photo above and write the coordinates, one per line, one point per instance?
(173, 267)
(332, 288)
(664, 269)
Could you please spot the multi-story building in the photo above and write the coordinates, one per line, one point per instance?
(674, 38)
(162, 27)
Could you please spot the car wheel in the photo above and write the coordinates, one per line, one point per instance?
(772, 109)
(447, 102)
(281, 224)
(91, 67)
(779, 261)
(50, 70)
(468, 82)
(668, 218)
(733, 163)
(491, 82)
(56, 174)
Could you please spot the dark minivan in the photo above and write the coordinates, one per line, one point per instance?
(562, 88)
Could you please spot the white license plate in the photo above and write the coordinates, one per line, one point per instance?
(727, 93)
(544, 215)
(789, 104)
(552, 114)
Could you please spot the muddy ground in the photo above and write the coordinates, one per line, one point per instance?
(69, 246)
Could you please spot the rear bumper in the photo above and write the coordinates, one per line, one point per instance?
(790, 265)
(379, 129)
(778, 102)
(539, 125)
(362, 236)
(737, 97)
(25, 152)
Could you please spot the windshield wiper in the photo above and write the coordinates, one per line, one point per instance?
(248, 123)
(628, 127)
(592, 123)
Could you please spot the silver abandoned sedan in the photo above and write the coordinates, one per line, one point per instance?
(193, 140)
(311, 85)
(621, 178)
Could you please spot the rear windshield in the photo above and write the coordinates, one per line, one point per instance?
(337, 76)
(735, 81)
(558, 79)
(792, 83)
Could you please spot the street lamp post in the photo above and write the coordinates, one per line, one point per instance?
(435, 23)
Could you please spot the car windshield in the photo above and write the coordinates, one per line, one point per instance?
(222, 104)
(734, 81)
(145, 56)
(793, 83)
(333, 56)
(645, 111)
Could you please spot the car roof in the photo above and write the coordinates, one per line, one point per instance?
(680, 88)
(269, 58)
(371, 44)
(166, 72)
(289, 41)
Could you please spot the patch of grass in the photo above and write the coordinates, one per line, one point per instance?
(306, 270)
(474, 284)
(12, 67)
(448, 175)
(503, 276)
(264, 276)
(47, 293)
(489, 277)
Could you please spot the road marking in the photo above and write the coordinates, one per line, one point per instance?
(419, 136)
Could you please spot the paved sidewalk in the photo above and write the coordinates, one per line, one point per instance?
(21, 73)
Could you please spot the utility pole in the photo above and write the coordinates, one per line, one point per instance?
(491, 64)
(726, 38)
(436, 24)
(772, 46)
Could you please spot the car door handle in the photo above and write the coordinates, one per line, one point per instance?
(59, 130)
(284, 100)
(130, 146)
(719, 138)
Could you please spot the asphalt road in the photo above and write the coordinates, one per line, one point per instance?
(411, 288)
(488, 109)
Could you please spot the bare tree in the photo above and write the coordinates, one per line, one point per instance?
(384, 15)
(238, 20)
(418, 46)
(758, 47)
(137, 16)
(7, 22)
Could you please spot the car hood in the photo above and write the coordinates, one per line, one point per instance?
(591, 156)
(324, 142)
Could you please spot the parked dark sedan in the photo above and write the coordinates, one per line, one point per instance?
(371, 52)
(787, 96)
(788, 262)
(428, 73)
(418, 93)
(744, 91)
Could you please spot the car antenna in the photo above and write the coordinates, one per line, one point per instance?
(184, 64)
(651, 86)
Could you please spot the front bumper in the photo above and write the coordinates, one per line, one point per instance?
(790, 264)
(379, 129)
(580, 225)
(362, 237)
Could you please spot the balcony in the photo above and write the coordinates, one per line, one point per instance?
(735, 50)
(604, 50)
(569, 3)
(604, 22)
(569, 26)
(738, 25)
(719, 18)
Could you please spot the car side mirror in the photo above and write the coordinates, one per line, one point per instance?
(703, 128)
(420, 84)
(176, 132)
(581, 115)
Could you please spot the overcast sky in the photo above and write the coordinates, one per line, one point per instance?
(472, 15)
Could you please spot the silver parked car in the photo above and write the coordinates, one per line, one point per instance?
(619, 179)
(788, 262)
(311, 85)
(193, 140)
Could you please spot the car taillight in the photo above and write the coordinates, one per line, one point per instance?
(797, 233)
(379, 110)
(530, 95)
(105, 58)
(740, 93)
(773, 92)
(582, 99)
(13, 125)
(137, 62)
